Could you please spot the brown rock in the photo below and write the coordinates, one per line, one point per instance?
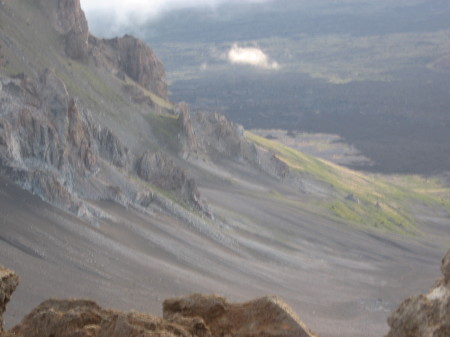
(265, 317)
(191, 316)
(8, 283)
(82, 318)
(424, 315)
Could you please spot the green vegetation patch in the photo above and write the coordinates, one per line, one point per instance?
(358, 199)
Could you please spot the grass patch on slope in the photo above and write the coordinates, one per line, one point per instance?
(165, 127)
(361, 199)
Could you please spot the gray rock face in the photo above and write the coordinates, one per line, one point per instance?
(46, 140)
(69, 20)
(111, 149)
(221, 138)
(218, 136)
(161, 171)
(130, 56)
(186, 137)
(49, 145)
(8, 283)
(424, 315)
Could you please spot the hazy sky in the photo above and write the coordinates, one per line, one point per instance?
(126, 11)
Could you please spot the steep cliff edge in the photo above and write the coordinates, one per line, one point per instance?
(69, 21)
(130, 56)
(51, 143)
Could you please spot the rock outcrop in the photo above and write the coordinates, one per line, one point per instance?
(132, 57)
(425, 315)
(70, 21)
(126, 55)
(221, 138)
(266, 316)
(111, 149)
(69, 318)
(191, 316)
(218, 136)
(161, 171)
(45, 140)
(8, 283)
(186, 136)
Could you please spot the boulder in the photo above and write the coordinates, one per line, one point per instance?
(8, 283)
(84, 318)
(425, 315)
(266, 317)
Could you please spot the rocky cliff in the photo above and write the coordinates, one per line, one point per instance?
(220, 138)
(425, 315)
(46, 141)
(69, 20)
(49, 142)
(161, 171)
(130, 56)
(125, 55)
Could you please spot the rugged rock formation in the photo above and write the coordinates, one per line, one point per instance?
(8, 283)
(69, 20)
(126, 55)
(161, 171)
(218, 136)
(221, 138)
(192, 316)
(198, 316)
(130, 56)
(111, 149)
(186, 137)
(425, 315)
(68, 318)
(267, 316)
(45, 140)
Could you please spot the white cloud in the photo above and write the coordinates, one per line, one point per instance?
(125, 12)
(251, 56)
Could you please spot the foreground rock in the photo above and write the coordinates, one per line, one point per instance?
(64, 318)
(425, 315)
(196, 315)
(8, 283)
(266, 316)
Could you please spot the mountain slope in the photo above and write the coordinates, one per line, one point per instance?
(138, 199)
